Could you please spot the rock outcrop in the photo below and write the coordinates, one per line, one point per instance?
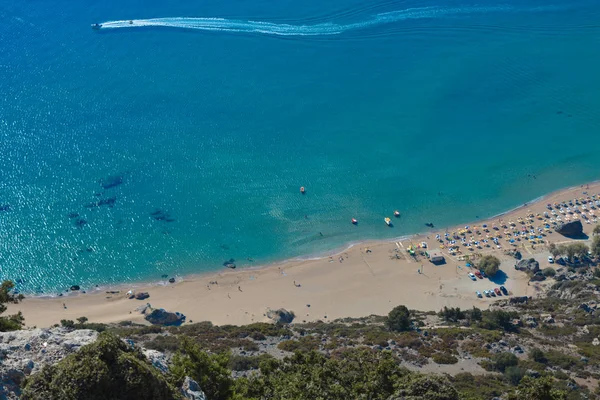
(529, 265)
(160, 316)
(191, 390)
(159, 360)
(25, 352)
(570, 229)
(281, 316)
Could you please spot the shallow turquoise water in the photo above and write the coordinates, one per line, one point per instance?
(443, 110)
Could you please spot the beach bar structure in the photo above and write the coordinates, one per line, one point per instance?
(436, 257)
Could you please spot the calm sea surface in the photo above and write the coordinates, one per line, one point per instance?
(180, 140)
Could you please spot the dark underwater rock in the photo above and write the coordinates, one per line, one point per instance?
(75, 287)
(103, 202)
(160, 215)
(111, 181)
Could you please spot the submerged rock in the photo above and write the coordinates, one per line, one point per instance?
(570, 229)
(110, 201)
(75, 287)
(111, 181)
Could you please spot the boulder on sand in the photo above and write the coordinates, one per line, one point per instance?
(570, 229)
(142, 295)
(281, 316)
(161, 316)
(529, 265)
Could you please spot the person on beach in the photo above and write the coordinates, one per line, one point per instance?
(240, 288)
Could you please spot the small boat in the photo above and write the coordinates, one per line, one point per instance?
(354, 221)
(396, 213)
(302, 190)
(388, 221)
(130, 22)
(96, 26)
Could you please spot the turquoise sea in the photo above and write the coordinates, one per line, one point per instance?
(180, 140)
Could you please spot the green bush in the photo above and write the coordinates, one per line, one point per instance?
(505, 360)
(489, 264)
(209, 370)
(444, 358)
(106, 369)
(11, 322)
(538, 355)
(399, 319)
(514, 375)
(549, 272)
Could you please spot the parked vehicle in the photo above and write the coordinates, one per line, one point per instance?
(497, 291)
(478, 274)
(478, 293)
(503, 289)
(473, 278)
(551, 259)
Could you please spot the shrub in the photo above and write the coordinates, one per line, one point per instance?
(399, 319)
(514, 375)
(489, 264)
(444, 358)
(105, 369)
(209, 370)
(11, 322)
(538, 355)
(505, 360)
(549, 272)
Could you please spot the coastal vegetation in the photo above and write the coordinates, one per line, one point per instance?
(14, 321)
(519, 350)
(489, 264)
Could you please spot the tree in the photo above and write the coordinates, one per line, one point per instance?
(475, 314)
(105, 369)
(514, 374)
(11, 322)
(595, 248)
(596, 230)
(452, 314)
(505, 360)
(538, 355)
(554, 250)
(537, 389)
(489, 264)
(399, 319)
(82, 320)
(580, 249)
(549, 271)
(209, 370)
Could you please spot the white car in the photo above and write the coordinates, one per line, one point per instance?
(551, 259)
(487, 293)
(478, 293)
(472, 276)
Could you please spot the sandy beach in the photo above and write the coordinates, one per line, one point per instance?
(368, 278)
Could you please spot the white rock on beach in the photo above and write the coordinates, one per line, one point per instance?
(27, 351)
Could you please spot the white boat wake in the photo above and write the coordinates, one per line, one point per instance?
(269, 28)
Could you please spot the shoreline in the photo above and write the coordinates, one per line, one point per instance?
(300, 259)
(361, 278)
